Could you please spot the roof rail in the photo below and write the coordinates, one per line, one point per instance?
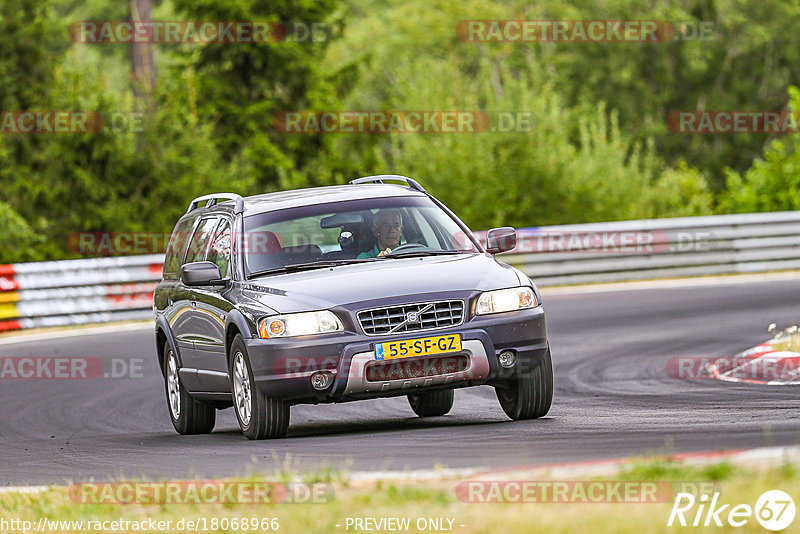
(212, 198)
(379, 178)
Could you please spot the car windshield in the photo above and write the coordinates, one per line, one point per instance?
(351, 231)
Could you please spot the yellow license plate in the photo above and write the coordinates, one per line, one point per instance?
(409, 348)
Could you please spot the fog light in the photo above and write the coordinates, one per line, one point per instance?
(507, 358)
(321, 380)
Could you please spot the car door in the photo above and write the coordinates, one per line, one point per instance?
(209, 314)
(173, 298)
(185, 299)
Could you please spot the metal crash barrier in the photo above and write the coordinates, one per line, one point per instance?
(68, 292)
(100, 290)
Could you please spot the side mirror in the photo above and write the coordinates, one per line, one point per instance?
(201, 273)
(501, 240)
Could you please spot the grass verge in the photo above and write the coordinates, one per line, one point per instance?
(437, 499)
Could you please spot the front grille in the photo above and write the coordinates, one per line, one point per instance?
(394, 319)
(404, 369)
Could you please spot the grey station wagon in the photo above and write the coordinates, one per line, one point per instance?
(341, 293)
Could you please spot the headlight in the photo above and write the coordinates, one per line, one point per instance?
(299, 324)
(503, 300)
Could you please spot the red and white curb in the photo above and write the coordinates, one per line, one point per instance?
(762, 364)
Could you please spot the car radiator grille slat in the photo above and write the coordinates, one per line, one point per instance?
(385, 320)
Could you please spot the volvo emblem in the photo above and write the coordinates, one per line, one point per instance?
(412, 317)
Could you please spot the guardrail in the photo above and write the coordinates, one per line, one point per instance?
(97, 290)
(659, 248)
(121, 288)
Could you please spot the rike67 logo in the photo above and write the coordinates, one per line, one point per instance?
(774, 510)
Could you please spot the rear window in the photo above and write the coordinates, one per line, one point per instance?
(177, 246)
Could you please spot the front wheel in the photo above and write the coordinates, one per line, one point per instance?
(188, 415)
(431, 404)
(259, 416)
(530, 395)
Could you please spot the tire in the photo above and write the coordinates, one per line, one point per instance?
(531, 395)
(188, 415)
(259, 416)
(433, 403)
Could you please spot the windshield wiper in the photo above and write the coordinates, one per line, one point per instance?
(412, 253)
(296, 267)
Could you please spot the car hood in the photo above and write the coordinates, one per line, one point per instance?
(329, 287)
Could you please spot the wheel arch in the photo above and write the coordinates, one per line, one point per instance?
(164, 335)
(236, 324)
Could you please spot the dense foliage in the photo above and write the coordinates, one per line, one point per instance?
(598, 146)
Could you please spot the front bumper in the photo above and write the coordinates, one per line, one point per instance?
(282, 368)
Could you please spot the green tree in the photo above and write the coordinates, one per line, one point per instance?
(18, 237)
(240, 87)
(772, 183)
(576, 163)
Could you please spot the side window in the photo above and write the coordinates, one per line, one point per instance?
(220, 251)
(200, 240)
(177, 246)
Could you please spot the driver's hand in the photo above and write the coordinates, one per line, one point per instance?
(384, 252)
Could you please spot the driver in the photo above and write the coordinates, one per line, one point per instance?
(387, 227)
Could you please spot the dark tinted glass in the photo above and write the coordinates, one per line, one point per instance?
(177, 246)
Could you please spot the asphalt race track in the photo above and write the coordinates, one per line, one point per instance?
(613, 398)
